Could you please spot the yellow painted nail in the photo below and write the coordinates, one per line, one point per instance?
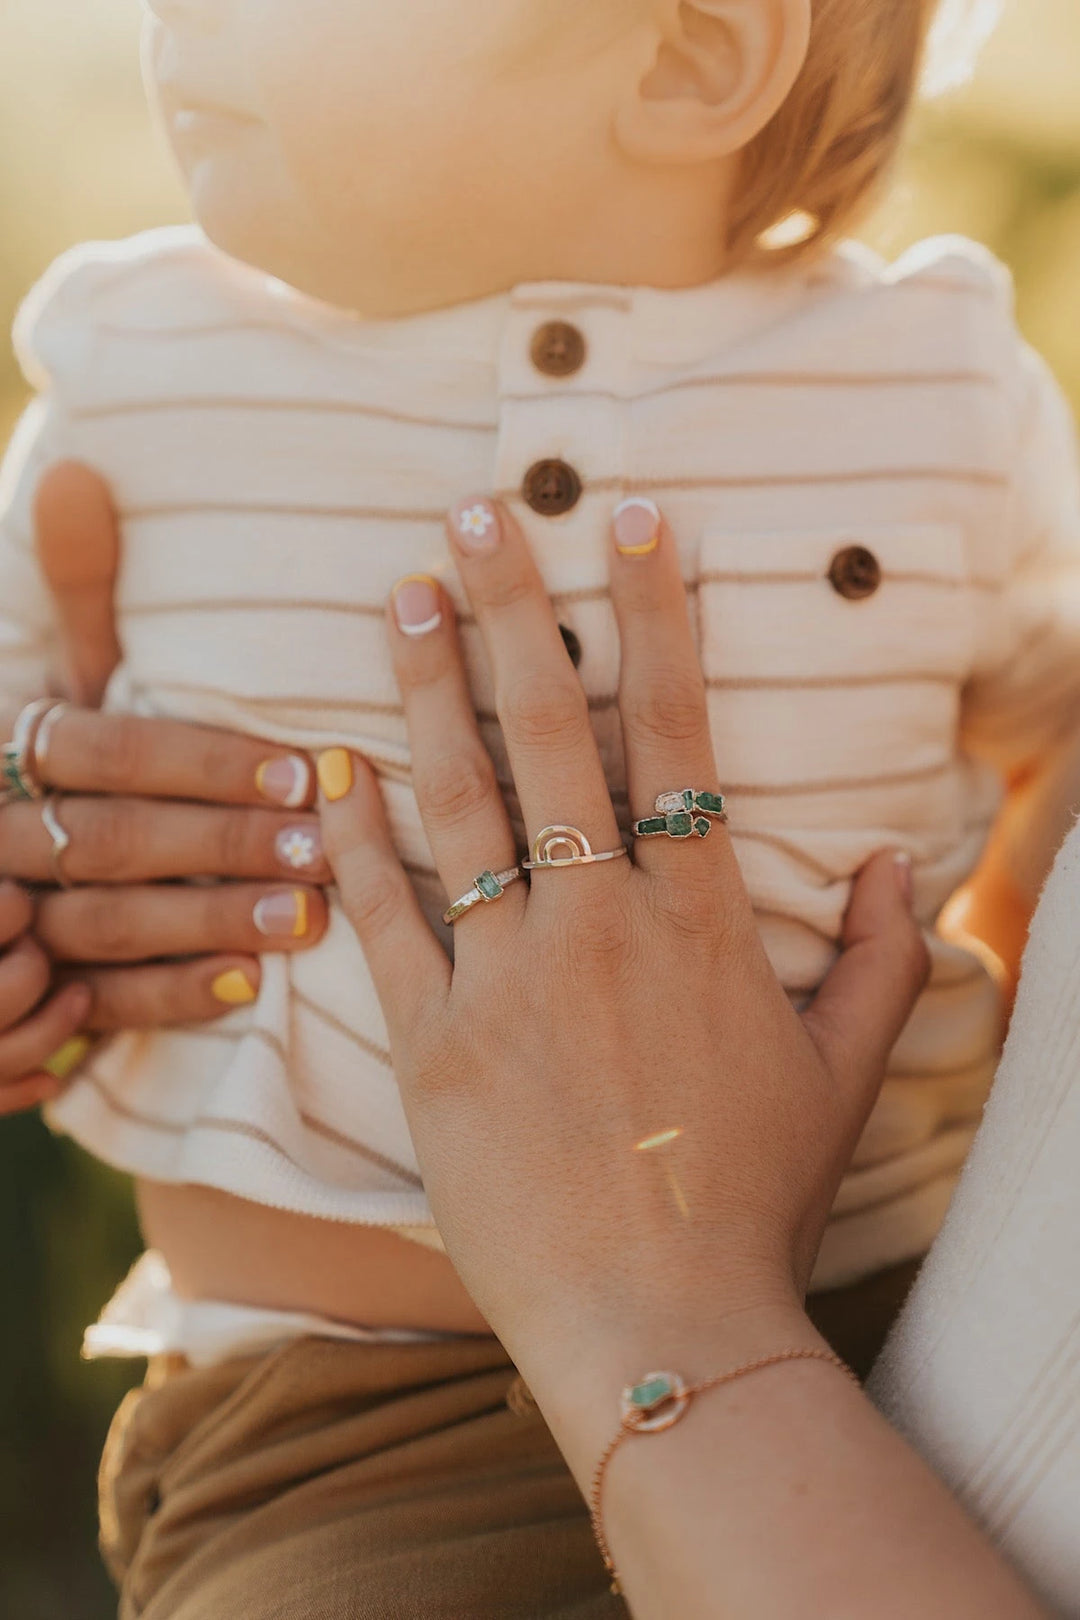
(62, 1064)
(335, 773)
(300, 927)
(637, 527)
(233, 989)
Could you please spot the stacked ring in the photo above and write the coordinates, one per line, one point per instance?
(61, 840)
(19, 774)
(688, 813)
(487, 887)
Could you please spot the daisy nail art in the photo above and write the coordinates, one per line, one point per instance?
(477, 526)
(298, 847)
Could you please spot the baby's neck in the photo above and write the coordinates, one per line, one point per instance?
(667, 233)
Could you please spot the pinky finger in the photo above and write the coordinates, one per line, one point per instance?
(155, 996)
(29, 1047)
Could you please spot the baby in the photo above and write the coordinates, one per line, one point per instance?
(533, 248)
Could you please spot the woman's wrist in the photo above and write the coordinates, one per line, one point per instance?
(577, 1374)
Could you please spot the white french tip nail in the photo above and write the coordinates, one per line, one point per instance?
(637, 503)
(424, 629)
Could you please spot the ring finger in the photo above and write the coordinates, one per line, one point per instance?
(141, 924)
(139, 841)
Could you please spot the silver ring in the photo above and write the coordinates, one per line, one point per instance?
(18, 774)
(543, 855)
(687, 813)
(43, 737)
(487, 887)
(61, 840)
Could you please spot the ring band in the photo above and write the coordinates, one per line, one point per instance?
(19, 777)
(687, 813)
(61, 840)
(43, 737)
(581, 853)
(487, 887)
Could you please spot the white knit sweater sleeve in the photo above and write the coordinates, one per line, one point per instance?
(983, 1370)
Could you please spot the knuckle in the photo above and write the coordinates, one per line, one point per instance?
(105, 927)
(234, 843)
(667, 708)
(455, 787)
(540, 711)
(120, 753)
(372, 897)
(602, 940)
(500, 591)
(111, 842)
(216, 761)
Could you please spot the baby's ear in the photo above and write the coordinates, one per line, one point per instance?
(720, 72)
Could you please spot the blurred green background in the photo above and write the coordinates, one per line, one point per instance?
(999, 160)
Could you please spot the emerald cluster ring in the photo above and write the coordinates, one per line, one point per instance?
(687, 813)
(487, 887)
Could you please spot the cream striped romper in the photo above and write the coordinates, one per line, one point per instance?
(873, 484)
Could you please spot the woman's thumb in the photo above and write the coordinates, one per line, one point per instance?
(868, 997)
(78, 547)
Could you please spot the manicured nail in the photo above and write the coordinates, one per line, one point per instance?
(905, 875)
(62, 1064)
(284, 781)
(637, 527)
(233, 989)
(416, 605)
(476, 524)
(299, 847)
(283, 915)
(335, 770)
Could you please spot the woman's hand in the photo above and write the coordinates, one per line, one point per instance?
(34, 1024)
(611, 1095)
(144, 803)
(630, 1139)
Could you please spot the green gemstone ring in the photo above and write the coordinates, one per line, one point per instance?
(685, 814)
(487, 887)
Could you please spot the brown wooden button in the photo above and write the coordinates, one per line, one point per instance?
(558, 349)
(552, 488)
(572, 643)
(855, 573)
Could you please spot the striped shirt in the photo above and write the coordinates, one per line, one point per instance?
(279, 465)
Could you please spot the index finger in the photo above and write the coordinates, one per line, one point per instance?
(82, 751)
(77, 536)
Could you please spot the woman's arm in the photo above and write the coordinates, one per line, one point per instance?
(630, 1139)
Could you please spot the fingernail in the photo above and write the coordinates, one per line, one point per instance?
(335, 770)
(476, 524)
(284, 781)
(416, 605)
(299, 847)
(905, 875)
(233, 989)
(283, 915)
(637, 527)
(62, 1064)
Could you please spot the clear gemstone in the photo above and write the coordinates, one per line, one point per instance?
(671, 803)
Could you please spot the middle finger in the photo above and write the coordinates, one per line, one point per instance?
(140, 841)
(143, 924)
(539, 699)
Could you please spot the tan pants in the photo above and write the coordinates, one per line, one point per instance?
(332, 1481)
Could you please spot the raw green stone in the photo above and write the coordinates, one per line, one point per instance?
(489, 885)
(711, 803)
(680, 826)
(688, 799)
(651, 1393)
(652, 825)
(702, 827)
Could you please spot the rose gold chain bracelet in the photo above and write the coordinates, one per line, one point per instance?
(657, 1402)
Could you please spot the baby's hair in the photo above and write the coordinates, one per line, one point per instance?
(823, 156)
